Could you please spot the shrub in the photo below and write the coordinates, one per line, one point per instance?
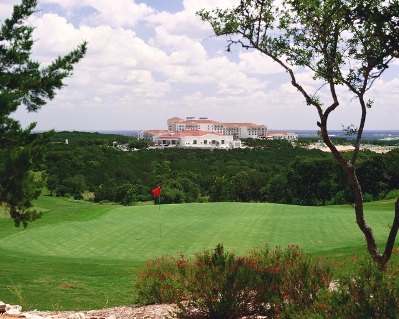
(367, 197)
(370, 293)
(162, 280)
(339, 198)
(393, 194)
(222, 286)
(218, 284)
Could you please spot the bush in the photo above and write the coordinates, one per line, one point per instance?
(339, 198)
(393, 194)
(218, 284)
(370, 293)
(162, 281)
(367, 197)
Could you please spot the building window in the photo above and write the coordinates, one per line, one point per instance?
(195, 142)
(205, 142)
(222, 142)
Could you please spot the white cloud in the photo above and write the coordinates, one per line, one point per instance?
(258, 63)
(114, 13)
(6, 8)
(196, 5)
(144, 66)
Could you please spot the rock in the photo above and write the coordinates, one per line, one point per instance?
(78, 315)
(14, 311)
(13, 307)
(2, 307)
(31, 316)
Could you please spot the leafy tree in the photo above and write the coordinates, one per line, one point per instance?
(372, 174)
(52, 183)
(75, 185)
(342, 43)
(134, 142)
(393, 168)
(277, 190)
(190, 188)
(172, 193)
(22, 81)
(222, 190)
(248, 185)
(312, 181)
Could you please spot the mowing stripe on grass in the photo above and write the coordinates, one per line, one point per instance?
(85, 256)
(132, 233)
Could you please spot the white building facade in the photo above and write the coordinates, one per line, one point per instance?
(239, 130)
(282, 135)
(197, 139)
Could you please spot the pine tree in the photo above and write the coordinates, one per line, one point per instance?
(24, 82)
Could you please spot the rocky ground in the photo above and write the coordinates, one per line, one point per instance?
(144, 312)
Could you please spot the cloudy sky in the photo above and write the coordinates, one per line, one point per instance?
(149, 60)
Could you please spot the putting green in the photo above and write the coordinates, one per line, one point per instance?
(136, 234)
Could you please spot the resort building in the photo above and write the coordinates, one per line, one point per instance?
(239, 130)
(151, 134)
(282, 135)
(197, 139)
(202, 132)
(244, 130)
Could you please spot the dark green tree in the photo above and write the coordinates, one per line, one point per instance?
(172, 193)
(312, 181)
(342, 43)
(248, 184)
(24, 82)
(222, 190)
(277, 190)
(372, 174)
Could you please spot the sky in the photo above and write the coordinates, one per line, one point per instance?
(150, 60)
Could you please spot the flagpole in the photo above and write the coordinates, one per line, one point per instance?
(159, 214)
(157, 193)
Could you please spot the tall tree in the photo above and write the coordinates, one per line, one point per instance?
(23, 82)
(343, 43)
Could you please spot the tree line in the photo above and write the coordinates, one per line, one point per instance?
(275, 171)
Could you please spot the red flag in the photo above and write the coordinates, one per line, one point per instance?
(156, 191)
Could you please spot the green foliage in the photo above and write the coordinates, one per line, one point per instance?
(270, 144)
(365, 293)
(20, 182)
(289, 175)
(280, 283)
(76, 138)
(222, 190)
(162, 280)
(218, 284)
(373, 175)
(313, 181)
(22, 81)
(393, 194)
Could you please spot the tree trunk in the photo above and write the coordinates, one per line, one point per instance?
(380, 259)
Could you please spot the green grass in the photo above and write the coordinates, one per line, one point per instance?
(83, 256)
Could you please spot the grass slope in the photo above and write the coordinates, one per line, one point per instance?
(84, 255)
